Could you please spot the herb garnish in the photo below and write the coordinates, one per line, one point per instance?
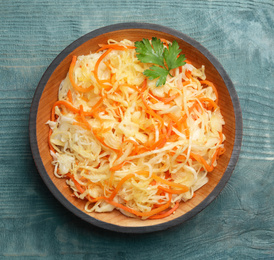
(156, 53)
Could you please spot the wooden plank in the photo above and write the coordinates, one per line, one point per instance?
(237, 225)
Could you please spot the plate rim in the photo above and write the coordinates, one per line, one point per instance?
(135, 229)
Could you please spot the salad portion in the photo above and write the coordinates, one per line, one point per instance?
(136, 128)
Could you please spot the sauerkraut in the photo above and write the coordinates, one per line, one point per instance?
(123, 143)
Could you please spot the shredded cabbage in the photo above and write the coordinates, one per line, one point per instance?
(123, 143)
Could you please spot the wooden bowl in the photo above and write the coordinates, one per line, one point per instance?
(46, 95)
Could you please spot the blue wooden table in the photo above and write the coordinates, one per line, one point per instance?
(239, 224)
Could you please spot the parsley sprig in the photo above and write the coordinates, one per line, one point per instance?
(155, 53)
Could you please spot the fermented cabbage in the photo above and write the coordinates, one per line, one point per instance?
(123, 143)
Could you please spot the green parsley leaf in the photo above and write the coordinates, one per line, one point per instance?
(149, 54)
(170, 55)
(157, 72)
(155, 53)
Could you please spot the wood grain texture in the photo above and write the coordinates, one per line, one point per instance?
(237, 225)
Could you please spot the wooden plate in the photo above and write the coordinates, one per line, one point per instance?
(46, 95)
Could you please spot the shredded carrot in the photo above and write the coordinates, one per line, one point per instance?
(85, 99)
(118, 167)
(173, 191)
(188, 74)
(82, 125)
(201, 160)
(168, 99)
(186, 83)
(114, 47)
(209, 83)
(66, 104)
(172, 184)
(97, 66)
(69, 95)
(165, 214)
(108, 65)
(136, 144)
(151, 112)
(76, 183)
(153, 182)
(138, 213)
(92, 200)
(164, 41)
(175, 120)
(95, 107)
(75, 86)
(105, 130)
(210, 101)
(122, 181)
(157, 178)
(164, 138)
(101, 140)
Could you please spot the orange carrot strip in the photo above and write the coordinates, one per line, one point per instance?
(201, 160)
(147, 107)
(97, 66)
(163, 140)
(153, 182)
(138, 213)
(105, 130)
(108, 65)
(221, 151)
(214, 105)
(184, 122)
(135, 146)
(118, 167)
(110, 180)
(188, 74)
(181, 157)
(76, 183)
(92, 200)
(69, 95)
(164, 41)
(159, 144)
(115, 47)
(151, 112)
(101, 140)
(221, 137)
(166, 213)
(209, 83)
(157, 178)
(75, 86)
(173, 184)
(131, 86)
(173, 191)
(83, 125)
(122, 181)
(95, 107)
(168, 99)
(186, 83)
(85, 99)
(66, 104)
(176, 120)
